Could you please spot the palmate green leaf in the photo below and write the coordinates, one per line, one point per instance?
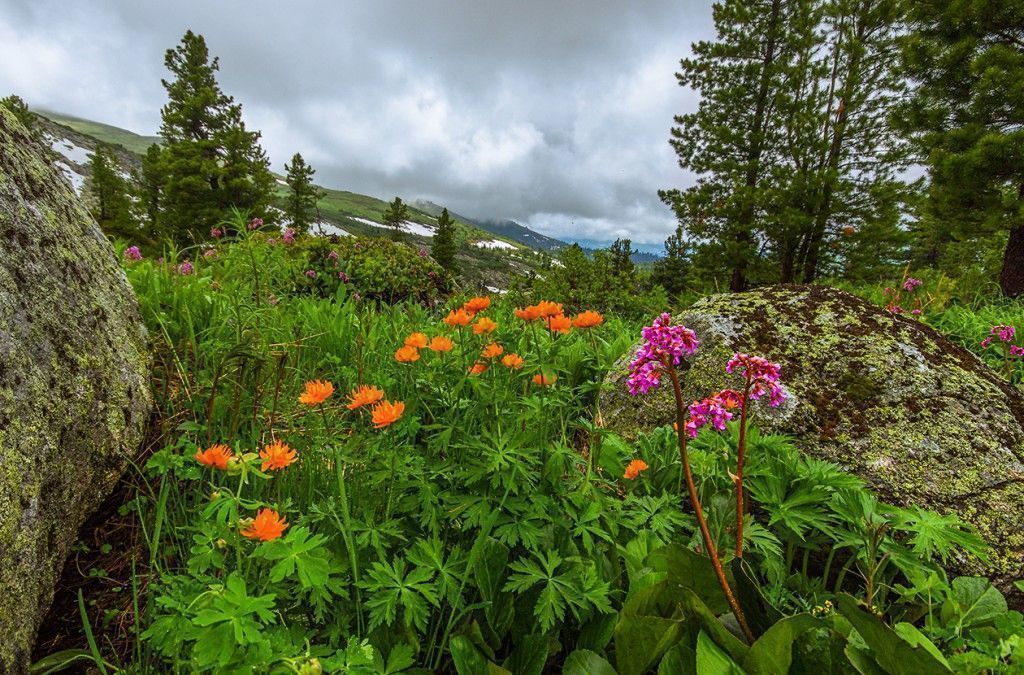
(660, 514)
(390, 588)
(932, 534)
(557, 590)
(589, 525)
(298, 553)
(450, 569)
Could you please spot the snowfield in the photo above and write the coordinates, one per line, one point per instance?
(76, 179)
(74, 153)
(408, 226)
(495, 243)
(327, 229)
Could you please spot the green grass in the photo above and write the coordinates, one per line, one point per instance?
(104, 132)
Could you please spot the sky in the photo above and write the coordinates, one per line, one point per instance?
(553, 114)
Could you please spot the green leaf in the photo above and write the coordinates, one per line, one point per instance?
(529, 656)
(713, 661)
(710, 624)
(586, 662)
(612, 456)
(469, 661)
(773, 652)
(689, 569)
(680, 660)
(973, 601)
(888, 649)
(916, 638)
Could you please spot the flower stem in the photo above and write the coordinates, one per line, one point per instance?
(691, 487)
(741, 451)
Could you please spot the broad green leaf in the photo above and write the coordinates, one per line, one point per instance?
(691, 570)
(680, 660)
(973, 601)
(773, 652)
(614, 455)
(916, 638)
(715, 629)
(711, 660)
(586, 662)
(888, 649)
(529, 656)
(640, 641)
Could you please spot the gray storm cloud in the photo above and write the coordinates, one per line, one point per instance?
(552, 114)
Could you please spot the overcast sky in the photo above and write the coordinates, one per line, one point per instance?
(554, 114)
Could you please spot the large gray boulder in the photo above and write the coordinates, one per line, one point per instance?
(923, 420)
(74, 394)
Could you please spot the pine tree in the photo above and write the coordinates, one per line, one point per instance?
(394, 216)
(621, 259)
(303, 195)
(967, 60)
(109, 196)
(149, 186)
(210, 162)
(443, 246)
(671, 272)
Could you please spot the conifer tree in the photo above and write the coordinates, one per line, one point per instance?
(393, 216)
(210, 162)
(303, 195)
(965, 115)
(149, 186)
(109, 196)
(443, 246)
(671, 271)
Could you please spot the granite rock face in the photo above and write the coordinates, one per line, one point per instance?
(74, 396)
(921, 419)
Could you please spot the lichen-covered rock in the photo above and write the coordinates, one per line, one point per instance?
(924, 421)
(73, 380)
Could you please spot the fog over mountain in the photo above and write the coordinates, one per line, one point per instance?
(554, 115)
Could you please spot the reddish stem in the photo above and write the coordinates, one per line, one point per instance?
(741, 452)
(691, 487)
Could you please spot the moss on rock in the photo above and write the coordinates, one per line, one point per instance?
(74, 391)
(924, 421)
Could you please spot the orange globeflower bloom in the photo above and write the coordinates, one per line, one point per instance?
(316, 392)
(386, 412)
(546, 308)
(266, 526)
(634, 468)
(484, 325)
(588, 319)
(543, 380)
(216, 456)
(478, 368)
(418, 340)
(492, 351)
(364, 395)
(458, 317)
(559, 324)
(441, 344)
(479, 304)
(276, 456)
(407, 354)
(512, 361)
(528, 313)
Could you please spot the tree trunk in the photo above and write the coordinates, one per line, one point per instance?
(788, 272)
(1012, 278)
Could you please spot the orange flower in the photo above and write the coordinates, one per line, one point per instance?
(479, 304)
(316, 392)
(441, 344)
(512, 361)
(386, 412)
(266, 526)
(588, 319)
(364, 395)
(407, 354)
(417, 340)
(478, 368)
(542, 380)
(492, 351)
(276, 456)
(216, 456)
(527, 314)
(634, 468)
(559, 324)
(546, 308)
(458, 317)
(484, 325)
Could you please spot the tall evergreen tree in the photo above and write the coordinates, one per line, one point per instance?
(303, 195)
(109, 196)
(443, 246)
(671, 271)
(149, 186)
(621, 259)
(967, 118)
(210, 161)
(394, 215)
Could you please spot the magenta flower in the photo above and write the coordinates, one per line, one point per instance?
(311, 274)
(215, 232)
(894, 309)
(711, 410)
(255, 223)
(986, 342)
(1016, 350)
(664, 346)
(288, 236)
(209, 253)
(1005, 333)
(910, 284)
(762, 374)
(185, 268)
(333, 255)
(915, 312)
(343, 277)
(132, 253)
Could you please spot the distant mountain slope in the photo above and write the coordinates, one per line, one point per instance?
(508, 229)
(103, 132)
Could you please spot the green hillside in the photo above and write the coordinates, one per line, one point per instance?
(103, 132)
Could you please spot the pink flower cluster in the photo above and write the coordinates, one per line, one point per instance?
(289, 235)
(185, 268)
(911, 283)
(714, 410)
(664, 345)
(132, 253)
(762, 376)
(1004, 333)
(255, 223)
(215, 232)
(311, 274)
